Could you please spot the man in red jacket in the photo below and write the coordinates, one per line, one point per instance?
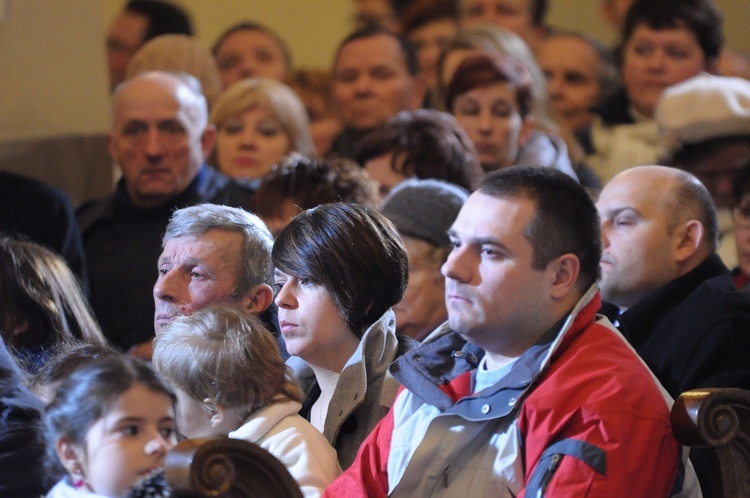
(525, 391)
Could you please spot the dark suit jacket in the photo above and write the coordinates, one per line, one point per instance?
(695, 331)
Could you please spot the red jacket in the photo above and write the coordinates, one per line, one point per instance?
(578, 415)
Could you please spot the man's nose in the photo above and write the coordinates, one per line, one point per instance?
(455, 267)
(165, 287)
(363, 84)
(154, 145)
(554, 87)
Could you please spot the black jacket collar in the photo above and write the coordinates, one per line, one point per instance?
(637, 322)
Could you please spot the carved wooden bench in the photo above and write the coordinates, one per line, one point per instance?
(718, 419)
(224, 468)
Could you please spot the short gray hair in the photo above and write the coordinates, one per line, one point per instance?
(257, 242)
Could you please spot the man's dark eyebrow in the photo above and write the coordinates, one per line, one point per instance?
(486, 241)
(135, 122)
(482, 241)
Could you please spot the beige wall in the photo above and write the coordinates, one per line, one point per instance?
(52, 78)
(312, 28)
(52, 66)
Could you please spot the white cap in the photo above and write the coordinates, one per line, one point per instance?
(702, 108)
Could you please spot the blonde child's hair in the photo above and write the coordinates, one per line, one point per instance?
(226, 356)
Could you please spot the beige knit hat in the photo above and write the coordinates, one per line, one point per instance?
(702, 108)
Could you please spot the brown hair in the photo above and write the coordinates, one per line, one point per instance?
(354, 252)
(226, 356)
(483, 70)
(425, 144)
(38, 288)
(309, 182)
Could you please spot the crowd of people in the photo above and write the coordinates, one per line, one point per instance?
(478, 256)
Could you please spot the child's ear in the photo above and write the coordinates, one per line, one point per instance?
(215, 410)
(69, 455)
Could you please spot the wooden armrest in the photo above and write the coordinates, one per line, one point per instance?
(223, 468)
(718, 419)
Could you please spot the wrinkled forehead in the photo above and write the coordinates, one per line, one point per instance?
(157, 92)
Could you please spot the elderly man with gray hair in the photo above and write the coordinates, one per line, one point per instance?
(215, 255)
(160, 138)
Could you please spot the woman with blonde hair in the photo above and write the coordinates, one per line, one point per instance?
(259, 121)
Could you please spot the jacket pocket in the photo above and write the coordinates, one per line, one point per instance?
(546, 468)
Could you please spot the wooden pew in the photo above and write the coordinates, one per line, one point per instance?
(224, 468)
(718, 419)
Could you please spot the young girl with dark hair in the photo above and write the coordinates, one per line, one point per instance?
(109, 429)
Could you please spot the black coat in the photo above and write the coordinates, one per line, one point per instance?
(123, 244)
(44, 215)
(21, 441)
(695, 331)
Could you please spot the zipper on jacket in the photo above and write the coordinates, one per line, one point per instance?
(547, 477)
(445, 476)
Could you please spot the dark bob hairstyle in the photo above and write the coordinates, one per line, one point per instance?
(354, 252)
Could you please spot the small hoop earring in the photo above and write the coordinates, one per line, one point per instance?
(78, 480)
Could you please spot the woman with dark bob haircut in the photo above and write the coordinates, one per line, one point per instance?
(338, 270)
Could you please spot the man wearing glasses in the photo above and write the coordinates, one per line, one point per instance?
(160, 138)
